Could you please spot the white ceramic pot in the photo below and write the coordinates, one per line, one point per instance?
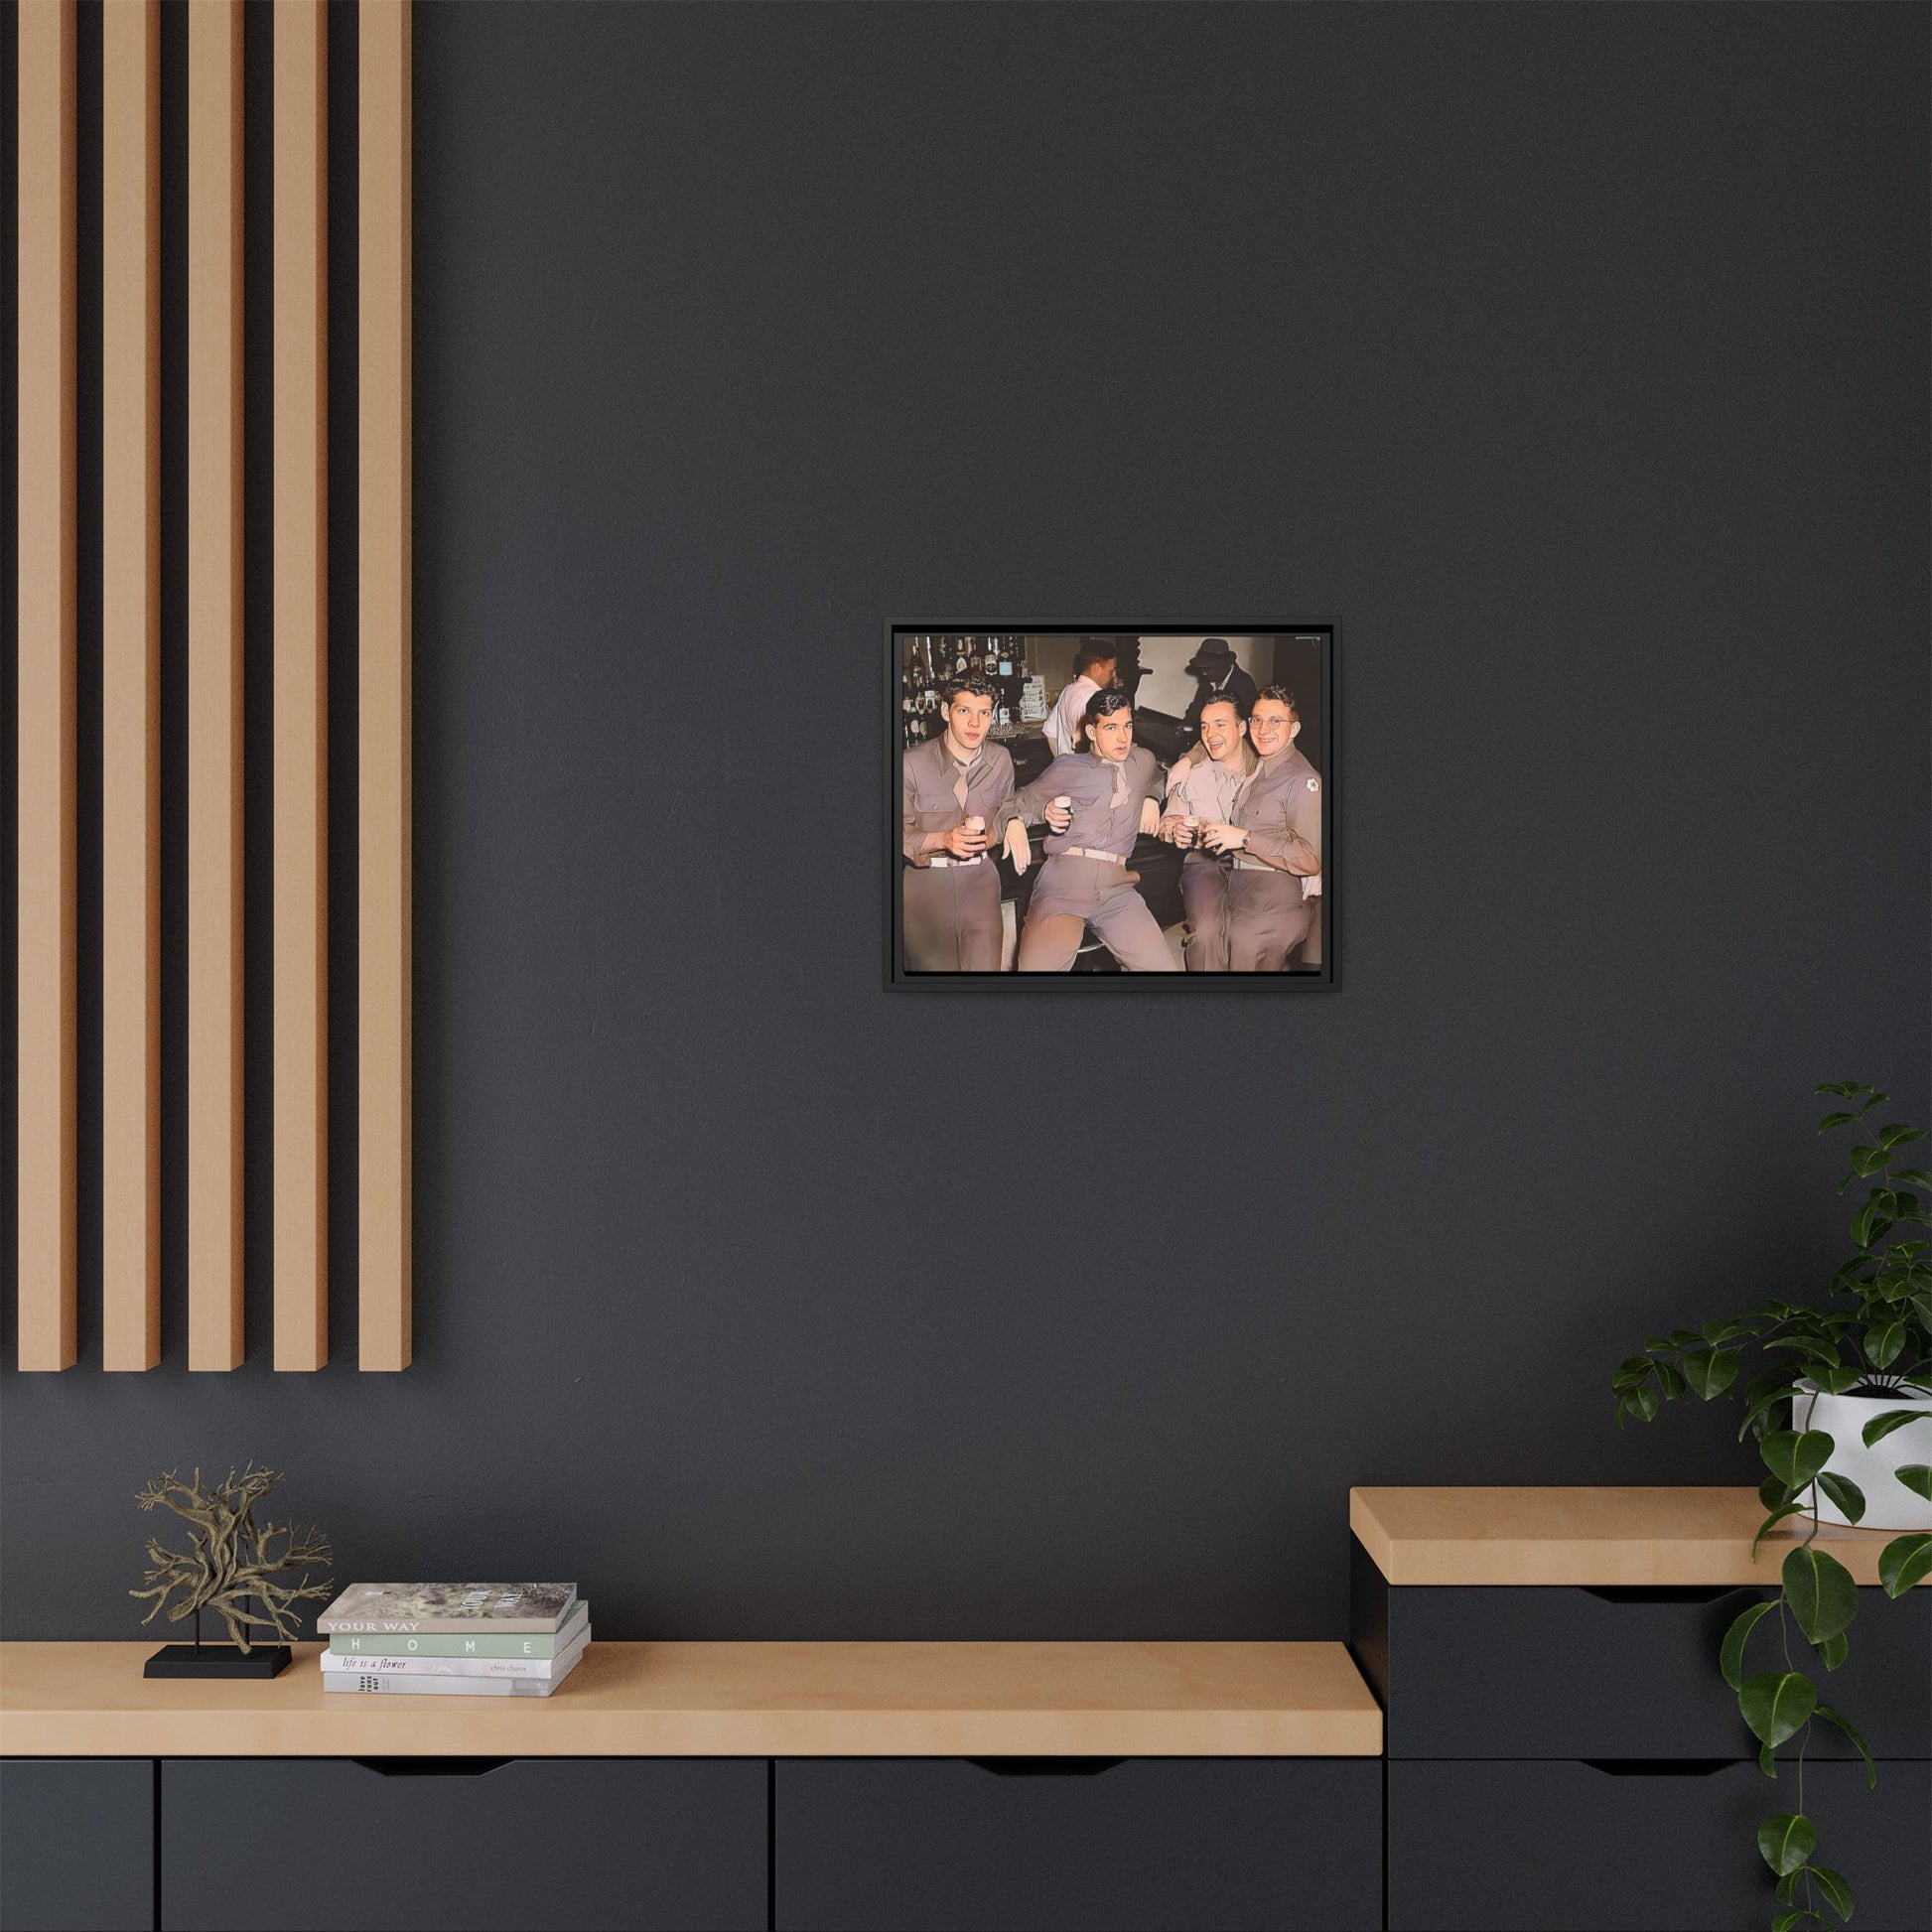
(1888, 1504)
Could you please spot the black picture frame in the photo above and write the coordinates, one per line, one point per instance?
(1321, 978)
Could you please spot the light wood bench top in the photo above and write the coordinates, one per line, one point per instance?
(1592, 1537)
(725, 1700)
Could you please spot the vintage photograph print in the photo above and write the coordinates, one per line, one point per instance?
(1138, 808)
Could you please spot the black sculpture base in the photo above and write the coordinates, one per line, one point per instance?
(217, 1660)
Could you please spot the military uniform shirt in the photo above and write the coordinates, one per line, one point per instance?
(1279, 808)
(930, 800)
(1106, 799)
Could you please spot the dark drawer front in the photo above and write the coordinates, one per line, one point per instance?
(463, 1844)
(1571, 1848)
(78, 1850)
(923, 1845)
(1578, 1673)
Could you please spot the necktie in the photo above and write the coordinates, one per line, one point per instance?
(959, 785)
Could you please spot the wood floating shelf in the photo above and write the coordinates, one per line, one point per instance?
(727, 1700)
(1589, 1537)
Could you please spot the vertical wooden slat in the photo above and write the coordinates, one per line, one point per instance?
(301, 686)
(214, 1147)
(130, 598)
(46, 703)
(383, 722)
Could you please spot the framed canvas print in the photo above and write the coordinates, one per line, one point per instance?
(1111, 808)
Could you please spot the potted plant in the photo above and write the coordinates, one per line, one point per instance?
(1842, 1416)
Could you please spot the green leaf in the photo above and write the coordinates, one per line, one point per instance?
(1844, 1494)
(1883, 1342)
(1868, 1159)
(1773, 1494)
(1641, 1403)
(1917, 1477)
(1730, 1658)
(1709, 1371)
(1767, 1762)
(1873, 1219)
(1787, 1840)
(1847, 1088)
(1796, 1457)
(1834, 1381)
(1914, 1177)
(1899, 1134)
(1829, 1121)
(1791, 1920)
(1837, 1894)
(1880, 1427)
(1672, 1379)
(1873, 1098)
(1834, 1651)
(1903, 1561)
(1820, 1590)
(1850, 1730)
(1777, 1704)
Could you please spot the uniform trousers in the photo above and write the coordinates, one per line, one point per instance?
(1204, 892)
(951, 918)
(1073, 893)
(1267, 919)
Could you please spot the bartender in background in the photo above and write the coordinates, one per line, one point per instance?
(955, 810)
(1219, 677)
(1094, 665)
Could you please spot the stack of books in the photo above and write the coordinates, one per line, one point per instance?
(493, 1640)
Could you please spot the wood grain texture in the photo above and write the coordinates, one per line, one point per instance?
(45, 706)
(1585, 1537)
(215, 617)
(301, 685)
(130, 609)
(384, 1057)
(729, 1700)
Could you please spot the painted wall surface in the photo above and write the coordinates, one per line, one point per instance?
(1574, 357)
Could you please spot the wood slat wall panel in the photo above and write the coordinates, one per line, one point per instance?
(215, 764)
(46, 692)
(383, 722)
(131, 684)
(301, 686)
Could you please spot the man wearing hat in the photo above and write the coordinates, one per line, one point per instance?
(1219, 677)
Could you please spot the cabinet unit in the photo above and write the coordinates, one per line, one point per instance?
(468, 1844)
(77, 1844)
(1031, 1844)
(1561, 1750)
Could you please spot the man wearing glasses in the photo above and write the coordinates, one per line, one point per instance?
(1202, 792)
(955, 810)
(1274, 830)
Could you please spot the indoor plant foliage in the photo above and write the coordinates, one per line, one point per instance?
(1874, 1339)
(230, 1558)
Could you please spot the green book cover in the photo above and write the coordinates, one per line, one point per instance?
(483, 1644)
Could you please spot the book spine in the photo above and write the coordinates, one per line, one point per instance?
(488, 1645)
(540, 1666)
(368, 1682)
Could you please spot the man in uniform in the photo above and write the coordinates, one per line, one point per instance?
(955, 810)
(1275, 833)
(1109, 789)
(1203, 792)
(1213, 664)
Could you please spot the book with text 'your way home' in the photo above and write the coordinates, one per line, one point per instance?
(485, 1643)
(429, 1609)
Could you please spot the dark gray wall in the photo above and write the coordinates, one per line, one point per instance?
(1575, 357)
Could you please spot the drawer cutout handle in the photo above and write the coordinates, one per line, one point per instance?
(1662, 1592)
(1046, 1767)
(432, 1767)
(1661, 1767)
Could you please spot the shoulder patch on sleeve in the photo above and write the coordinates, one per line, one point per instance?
(1315, 785)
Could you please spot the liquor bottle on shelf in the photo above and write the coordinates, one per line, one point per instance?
(1005, 656)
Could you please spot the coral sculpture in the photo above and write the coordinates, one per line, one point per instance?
(229, 1558)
